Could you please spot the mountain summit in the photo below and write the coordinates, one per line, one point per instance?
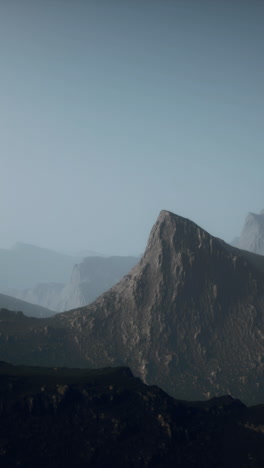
(252, 235)
(188, 317)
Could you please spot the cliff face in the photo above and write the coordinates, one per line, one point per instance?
(189, 318)
(252, 236)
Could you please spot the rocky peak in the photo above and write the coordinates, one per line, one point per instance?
(188, 317)
(177, 234)
(252, 235)
(181, 257)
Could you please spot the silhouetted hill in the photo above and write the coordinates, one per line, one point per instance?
(189, 318)
(106, 417)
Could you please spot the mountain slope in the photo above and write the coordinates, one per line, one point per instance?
(252, 236)
(92, 277)
(189, 318)
(29, 309)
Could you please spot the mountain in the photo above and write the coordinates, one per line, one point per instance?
(25, 265)
(92, 277)
(89, 279)
(189, 317)
(252, 236)
(44, 294)
(88, 253)
(31, 310)
(106, 417)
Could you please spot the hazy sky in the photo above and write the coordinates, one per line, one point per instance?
(113, 110)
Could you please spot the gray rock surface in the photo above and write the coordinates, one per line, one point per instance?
(189, 317)
(252, 235)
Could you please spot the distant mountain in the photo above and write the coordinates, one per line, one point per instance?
(25, 265)
(189, 317)
(252, 236)
(107, 418)
(92, 277)
(31, 310)
(44, 294)
(88, 253)
(89, 279)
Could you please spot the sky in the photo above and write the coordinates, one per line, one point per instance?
(112, 110)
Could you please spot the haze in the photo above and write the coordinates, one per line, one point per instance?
(113, 110)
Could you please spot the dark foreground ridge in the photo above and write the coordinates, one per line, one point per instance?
(189, 317)
(106, 417)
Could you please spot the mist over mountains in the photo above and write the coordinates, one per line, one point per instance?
(89, 278)
(61, 282)
(110, 112)
(188, 317)
(29, 309)
(25, 265)
(57, 281)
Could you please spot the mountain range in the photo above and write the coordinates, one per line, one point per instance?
(89, 278)
(189, 317)
(25, 265)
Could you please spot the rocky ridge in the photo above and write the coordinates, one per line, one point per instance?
(94, 418)
(189, 318)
